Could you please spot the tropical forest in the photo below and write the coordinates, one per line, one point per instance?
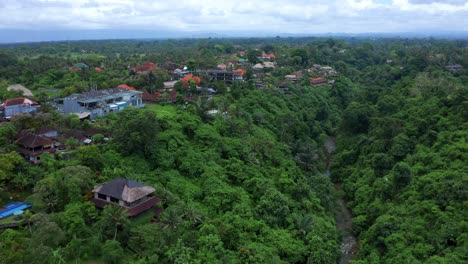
(234, 150)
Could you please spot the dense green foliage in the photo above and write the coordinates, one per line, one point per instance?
(245, 183)
(402, 159)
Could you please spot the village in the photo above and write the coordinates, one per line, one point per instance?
(185, 86)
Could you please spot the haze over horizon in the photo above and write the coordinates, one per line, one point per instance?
(51, 20)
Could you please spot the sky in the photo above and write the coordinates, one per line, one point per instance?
(109, 18)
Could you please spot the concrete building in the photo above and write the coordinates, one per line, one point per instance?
(99, 103)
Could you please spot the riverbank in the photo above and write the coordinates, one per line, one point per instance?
(349, 244)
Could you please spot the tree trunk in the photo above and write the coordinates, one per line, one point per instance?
(115, 233)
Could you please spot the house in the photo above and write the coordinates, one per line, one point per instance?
(324, 70)
(240, 71)
(126, 87)
(16, 106)
(268, 64)
(99, 103)
(145, 67)
(454, 67)
(31, 146)
(47, 131)
(169, 84)
(258, 66)
(268, 56)
(318, 81)
(294, 76)
(291, 77)
(178, 73)
(224, 76)
(221, 67)
(130, 195)
(97, 69)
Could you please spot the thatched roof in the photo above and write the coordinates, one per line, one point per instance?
(125, 190)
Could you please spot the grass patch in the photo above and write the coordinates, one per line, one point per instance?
(51, 94)
(162, 111)
(10, 219)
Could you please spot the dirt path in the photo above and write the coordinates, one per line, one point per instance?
(349, 244)
(19, 87)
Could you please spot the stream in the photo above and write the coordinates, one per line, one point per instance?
(349, 245)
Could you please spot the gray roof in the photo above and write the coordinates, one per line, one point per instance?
(101, 95)
(124, 189)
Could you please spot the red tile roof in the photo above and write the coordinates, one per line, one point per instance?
(18, 101)
(126, 87)
(45, 129)
(33, 141)
(98, 69)
(240, 71)
(318, 80)
(147, 66)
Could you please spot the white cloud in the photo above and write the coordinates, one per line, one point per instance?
(282, 16)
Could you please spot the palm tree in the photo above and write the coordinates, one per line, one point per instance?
(115, 216)
(192, 214)
(27, 217)
(303, 223)
(171, 218)
(57, 256)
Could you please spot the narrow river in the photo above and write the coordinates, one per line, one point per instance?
(349, 244)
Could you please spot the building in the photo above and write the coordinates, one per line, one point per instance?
(16, 106)
(258, 66)
(31, 146)
(47, 131)
(294, 76)
(130, 195)
(215, 75)
(145, 67)
(318, 81)
(454, 67)
(99, 103)
(126, 87)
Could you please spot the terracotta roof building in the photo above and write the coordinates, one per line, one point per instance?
(126, 87)
(130, 195)
(318, 81)
(147, 66)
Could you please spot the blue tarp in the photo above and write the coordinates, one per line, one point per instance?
(11, 208)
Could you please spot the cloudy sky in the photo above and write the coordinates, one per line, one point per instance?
(271, 16)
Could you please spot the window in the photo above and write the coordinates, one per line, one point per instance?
(114, 200)
(101, 196)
